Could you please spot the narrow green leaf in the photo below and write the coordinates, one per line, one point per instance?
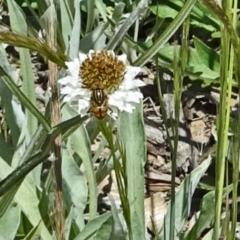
(208, 56)
(79, 142)
(90, 15)
(20, 40)
(76, 32)
(92, 226)
(117, 227)
(183, 200)
(6, 151)
(132, 137)
(102, 9)
(206, 218)
(167, 34)
(28, 88)
(68, 223)
(74, 184)
(104, 231)
(27, 199)
(201, 16)
(66, 21)
(92, 39)
(13, 113)
(118, 36)
(35, 233)
(17, 17)
(209, 235)
(7, 199)
(30, 162)
(118, 11)
(9, 222)
(21, 96)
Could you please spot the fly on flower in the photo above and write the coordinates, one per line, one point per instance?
(100, 81)
(99, 103)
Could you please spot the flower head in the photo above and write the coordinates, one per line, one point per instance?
(100, 81)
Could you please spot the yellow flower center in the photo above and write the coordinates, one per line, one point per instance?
(102, 70)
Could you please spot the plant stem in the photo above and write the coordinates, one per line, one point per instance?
(56, 118)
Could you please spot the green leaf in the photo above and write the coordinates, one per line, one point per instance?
(207, 212)
(102, 9)
(209, 235)
(30, 162)
(17, 17)
(20, 158)
(68, 223)
(74, 185)
(183, 200)
(13, 113)
(6, 151)
(35, 233)
(94, 40)
(132, 137)
(93, 226)
(207, 55)
(118, 36)
(28, 89)
(66, 21)
(27, 199)
(9, 222)
(206, 217)
(195, 68)
(79, 143)
(17, 176)
(90, 15)
(117, 227)
(200, 15)
(76, 32)
(7, 199)
(118, 11)
(23, 98)
(104, 231)
(166, 35)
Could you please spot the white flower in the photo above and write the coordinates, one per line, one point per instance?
(96, 71)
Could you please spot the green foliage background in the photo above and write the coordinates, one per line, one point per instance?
(144, 31)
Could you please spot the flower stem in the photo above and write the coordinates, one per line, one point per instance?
(56, 119)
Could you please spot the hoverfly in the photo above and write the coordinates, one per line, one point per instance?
(99, 103)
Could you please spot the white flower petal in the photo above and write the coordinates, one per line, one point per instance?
(74, 94)
(65, 80)
(118, 95)
(82, 57)
(73, 67)
(66, 90)
(128, 107)
(84, 92)
(92, 51)
(136, 83)
(83, 105)
(67, 98)
(134, 96)
(115, 102)
(126, 85)
(110, 52)
(122, 58)
(72, 82)
(132, 72)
